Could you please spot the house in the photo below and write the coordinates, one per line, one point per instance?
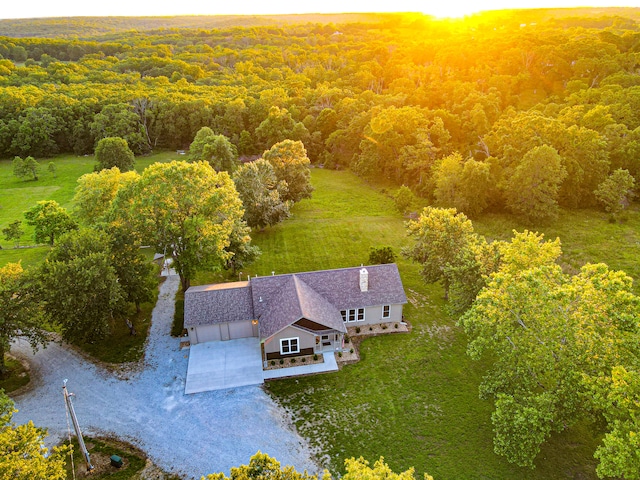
(295, 314)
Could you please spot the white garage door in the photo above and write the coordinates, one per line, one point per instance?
(208, 333)
(240, 329)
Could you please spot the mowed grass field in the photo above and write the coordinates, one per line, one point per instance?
(17, 196)
(413, 398)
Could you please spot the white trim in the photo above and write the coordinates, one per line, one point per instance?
(288, 342)
(388, 307)
(352, 315)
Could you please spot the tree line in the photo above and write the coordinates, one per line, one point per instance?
(460, 112)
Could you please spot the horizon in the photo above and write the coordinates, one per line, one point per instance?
(164, 8)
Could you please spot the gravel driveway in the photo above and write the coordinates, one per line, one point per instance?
(191, 435)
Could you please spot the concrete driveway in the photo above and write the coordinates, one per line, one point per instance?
(224, 364)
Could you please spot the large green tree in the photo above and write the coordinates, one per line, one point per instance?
(23, 455)
(616, 192)
(441, 236)
(184, 209)
(552, 341)
(20, 310)
(79, 286)
(50, 221)
(221, 154)
(291, 164)
(532, 191)
(95, 192)
(261, 194)
(114, 152)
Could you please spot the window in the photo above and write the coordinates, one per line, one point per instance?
(352, 315)
(386, 311)
(289, 345)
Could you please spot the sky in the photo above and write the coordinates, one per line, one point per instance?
(440, 8)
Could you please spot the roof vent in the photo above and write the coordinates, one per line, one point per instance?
(364, 280)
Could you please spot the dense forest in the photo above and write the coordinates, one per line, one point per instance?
(462, 112)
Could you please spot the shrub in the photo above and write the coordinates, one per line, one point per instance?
(351, 351)
(371, 329)
(340, 354)
(346, 338)
(293, 360)
(384, 327)
(357, 329)
(395, 326)
(281, 361)
(273, 362)
(315, 356)
(304, 359)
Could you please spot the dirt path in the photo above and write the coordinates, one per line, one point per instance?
(188, 434)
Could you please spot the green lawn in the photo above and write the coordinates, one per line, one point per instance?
(414, 398)
(17, 196)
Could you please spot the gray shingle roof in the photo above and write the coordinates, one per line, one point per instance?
(218, 303)
(280, 300)
(294, 301)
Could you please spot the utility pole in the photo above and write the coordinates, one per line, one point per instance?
(76, 426)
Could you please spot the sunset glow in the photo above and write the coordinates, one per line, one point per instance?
(440, 9)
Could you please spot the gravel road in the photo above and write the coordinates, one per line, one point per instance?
(191, 435)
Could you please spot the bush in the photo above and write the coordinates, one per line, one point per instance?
(351, 351)
(340, 354)
(273, 362)
(315, 356)
(357, 329)
(304, 359)
(346, 338)
(395, 326)
(371, 329)
(293, 360)
(384, 327)
(281, 361)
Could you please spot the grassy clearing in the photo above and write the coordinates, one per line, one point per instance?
(414, 398)
(17, 196)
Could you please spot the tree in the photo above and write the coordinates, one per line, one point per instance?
(441, 235)
(403, 199)
(221, 154)
(261, 194)
(23, 455)
(278, 126)
(29, 167)
(262, 466)
(114, 152)
(532, 191)
(134, 271)
(79, 286)
(552, 341)
(616, 192)
(50, 220)
(381, 255)
(13, 231)
(185, 209)
(51, 167)
(20, 313)
(240, 252)
(120, 120)
(291, 164)
(95, 192)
